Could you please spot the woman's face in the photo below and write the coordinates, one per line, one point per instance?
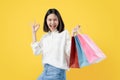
(52, 22)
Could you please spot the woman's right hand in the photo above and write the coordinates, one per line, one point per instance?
(35, 27)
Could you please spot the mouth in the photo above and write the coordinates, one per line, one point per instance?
(53, 26)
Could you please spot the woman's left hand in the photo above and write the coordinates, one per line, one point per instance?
(75, 30)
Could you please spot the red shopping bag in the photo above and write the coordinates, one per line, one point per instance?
(73, 55)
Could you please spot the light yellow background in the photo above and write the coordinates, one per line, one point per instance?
(98, 18)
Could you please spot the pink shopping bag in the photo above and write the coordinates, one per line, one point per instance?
(92, 52)
(97, 50)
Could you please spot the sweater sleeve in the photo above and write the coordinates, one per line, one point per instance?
(68, 46)
(37, 47)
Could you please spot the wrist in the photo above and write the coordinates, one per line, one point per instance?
(34, 32)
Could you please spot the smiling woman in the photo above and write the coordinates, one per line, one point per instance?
(100, 19)
(54, 46)
(52, 22)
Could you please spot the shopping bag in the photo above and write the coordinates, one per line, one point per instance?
(73, 55)
(97, 50)
(92, 52)
(81, 54)
(84, 52)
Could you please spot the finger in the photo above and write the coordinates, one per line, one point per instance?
(37, 25)
(78, 26)
(31, 24)
(34, 21)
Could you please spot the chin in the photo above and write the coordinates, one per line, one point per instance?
(52, 30)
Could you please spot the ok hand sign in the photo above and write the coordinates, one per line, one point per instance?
(35, 27)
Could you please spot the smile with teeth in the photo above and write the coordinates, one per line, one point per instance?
(53, 26)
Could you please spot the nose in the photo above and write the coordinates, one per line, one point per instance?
(52, 22)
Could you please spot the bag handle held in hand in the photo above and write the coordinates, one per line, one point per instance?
(76, 30)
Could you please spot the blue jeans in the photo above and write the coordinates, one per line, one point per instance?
(52, 73)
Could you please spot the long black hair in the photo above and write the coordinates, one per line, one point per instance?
(60, 27)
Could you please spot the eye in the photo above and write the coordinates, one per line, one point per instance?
(55, 19)
(49, 19)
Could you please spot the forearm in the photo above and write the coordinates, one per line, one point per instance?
(34, 37)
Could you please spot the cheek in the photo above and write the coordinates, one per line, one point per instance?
(57, 22)
(48, 23)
